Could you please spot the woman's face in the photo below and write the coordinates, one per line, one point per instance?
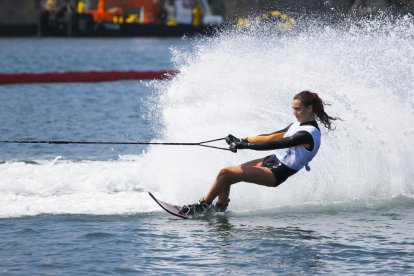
(303, 114)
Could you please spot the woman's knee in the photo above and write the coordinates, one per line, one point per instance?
(227, 174)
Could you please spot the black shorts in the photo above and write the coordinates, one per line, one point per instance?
(279, 170)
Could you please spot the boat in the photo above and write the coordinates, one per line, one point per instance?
(128, 18)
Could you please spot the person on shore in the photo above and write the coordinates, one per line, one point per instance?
(295, 146)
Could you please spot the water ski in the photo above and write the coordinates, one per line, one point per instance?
(170, 208)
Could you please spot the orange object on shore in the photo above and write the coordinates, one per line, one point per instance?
(107, 10)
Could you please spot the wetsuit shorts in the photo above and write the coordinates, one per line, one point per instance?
(279, 170)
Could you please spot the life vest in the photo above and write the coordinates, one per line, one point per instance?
(298, 157)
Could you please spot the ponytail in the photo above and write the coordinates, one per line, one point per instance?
(309, 98)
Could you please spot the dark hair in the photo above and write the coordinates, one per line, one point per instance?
(309, 98)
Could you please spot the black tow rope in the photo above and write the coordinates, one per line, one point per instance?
(63, 142)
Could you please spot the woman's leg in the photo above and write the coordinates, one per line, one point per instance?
(224, 195)
(251, 172)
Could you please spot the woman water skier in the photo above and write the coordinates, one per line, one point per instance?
(295, 146)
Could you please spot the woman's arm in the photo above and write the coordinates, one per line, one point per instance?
(268, 137)
(301, 138)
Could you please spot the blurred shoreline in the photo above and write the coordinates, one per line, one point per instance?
(65, 18)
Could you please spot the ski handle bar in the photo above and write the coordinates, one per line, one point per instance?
(63, 142)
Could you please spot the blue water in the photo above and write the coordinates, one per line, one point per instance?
(353, 241)
(84, 209)
(87, 112)
(61, 55)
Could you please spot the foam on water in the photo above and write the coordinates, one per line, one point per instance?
(242, 83)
